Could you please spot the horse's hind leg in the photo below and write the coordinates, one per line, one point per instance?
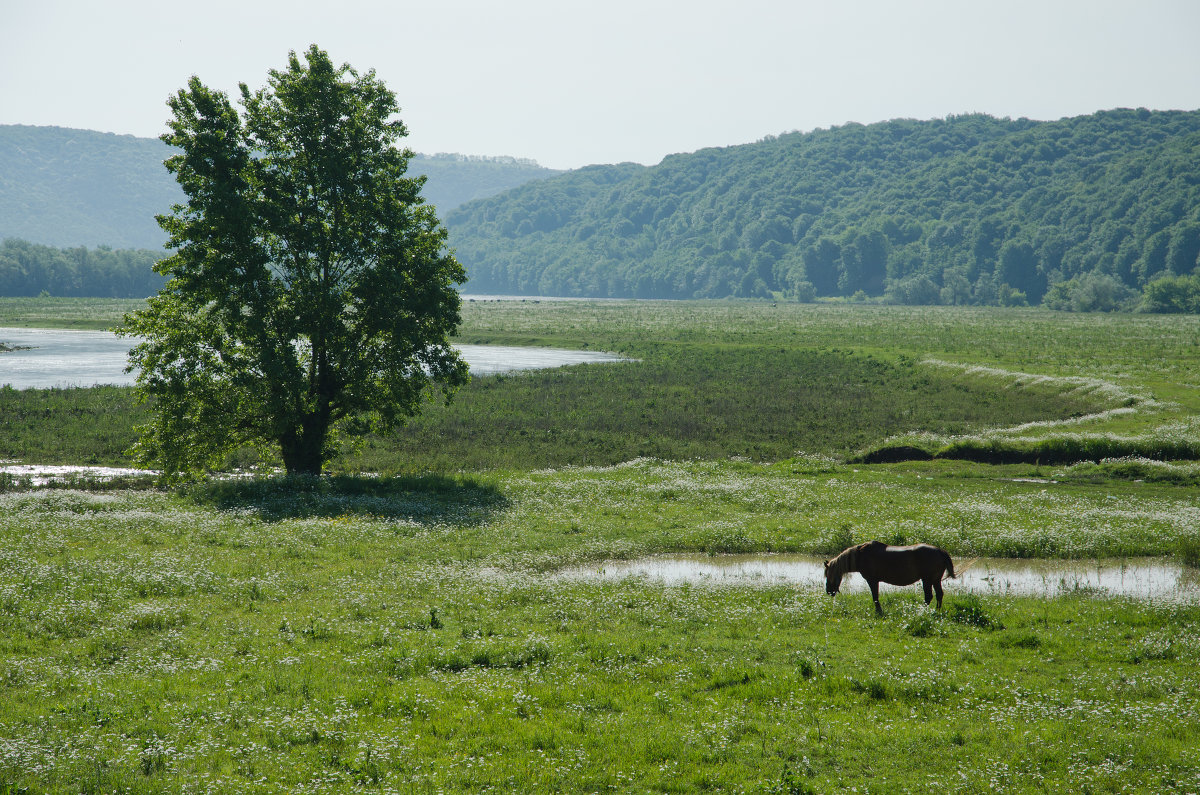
(937, 588)
(928, 586)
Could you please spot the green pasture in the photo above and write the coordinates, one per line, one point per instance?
(68, 313)
(414, 632)
(413, 635)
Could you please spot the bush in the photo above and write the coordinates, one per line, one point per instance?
(835, 541)
(1172, 294)
(1090, 292)
(915, 290)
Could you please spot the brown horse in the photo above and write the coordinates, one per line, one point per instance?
(877, 562)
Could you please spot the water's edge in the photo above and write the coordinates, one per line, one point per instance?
(1140, 578)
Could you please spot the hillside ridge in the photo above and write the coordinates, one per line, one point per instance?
(68, 187)
(965, 209)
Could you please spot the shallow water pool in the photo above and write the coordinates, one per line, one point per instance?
(1141, 578)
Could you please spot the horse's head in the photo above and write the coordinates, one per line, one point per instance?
(833, 579)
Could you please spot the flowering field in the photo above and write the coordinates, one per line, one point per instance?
(412, 634)
(417, 639)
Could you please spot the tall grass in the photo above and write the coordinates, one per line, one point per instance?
(695, 401)
(69, 313)
(69, 426)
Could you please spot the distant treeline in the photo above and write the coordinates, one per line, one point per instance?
(27, 269)
(1081, 213)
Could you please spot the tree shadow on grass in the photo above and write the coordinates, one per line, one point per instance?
(422, 499)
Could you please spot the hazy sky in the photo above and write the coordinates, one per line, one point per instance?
(570, 83)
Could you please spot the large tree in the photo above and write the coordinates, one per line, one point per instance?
(310, 286)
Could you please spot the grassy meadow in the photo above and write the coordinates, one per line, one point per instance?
(414, 632)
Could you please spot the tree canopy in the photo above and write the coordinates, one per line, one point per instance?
(967, 209)
(310, 289)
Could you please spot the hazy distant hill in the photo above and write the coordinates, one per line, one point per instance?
(66, 187)
(456, 179)
(967, 209)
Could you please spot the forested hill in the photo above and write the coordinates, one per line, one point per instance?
(65, 187)
(967, 209)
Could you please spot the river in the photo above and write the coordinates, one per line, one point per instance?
(49, 358)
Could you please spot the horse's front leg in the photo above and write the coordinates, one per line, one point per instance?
(874, 584)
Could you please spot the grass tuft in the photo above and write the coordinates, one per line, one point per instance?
(969, 609)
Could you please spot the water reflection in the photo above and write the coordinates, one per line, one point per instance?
(58, 358)
(1142, 578)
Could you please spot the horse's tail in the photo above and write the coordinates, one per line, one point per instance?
(949, 565)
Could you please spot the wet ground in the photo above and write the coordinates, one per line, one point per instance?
(41, 474)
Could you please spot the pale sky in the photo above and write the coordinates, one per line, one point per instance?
(571, 83)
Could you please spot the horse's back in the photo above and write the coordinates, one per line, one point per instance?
(905, 565)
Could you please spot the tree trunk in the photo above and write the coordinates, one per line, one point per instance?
(304, 450)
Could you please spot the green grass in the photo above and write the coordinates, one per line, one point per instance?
(374, 638)
(68, 313)
(69, 426)
(689, 401)
(1135, 373)
(413, 634)
(768, 382)
(1157, 355)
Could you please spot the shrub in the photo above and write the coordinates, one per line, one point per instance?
(834, 541)
(1172, 294)
(1090, 292)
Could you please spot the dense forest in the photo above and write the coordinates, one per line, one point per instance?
(1081, 213)
(65, 187)
(27, 269)
(1095, 212)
